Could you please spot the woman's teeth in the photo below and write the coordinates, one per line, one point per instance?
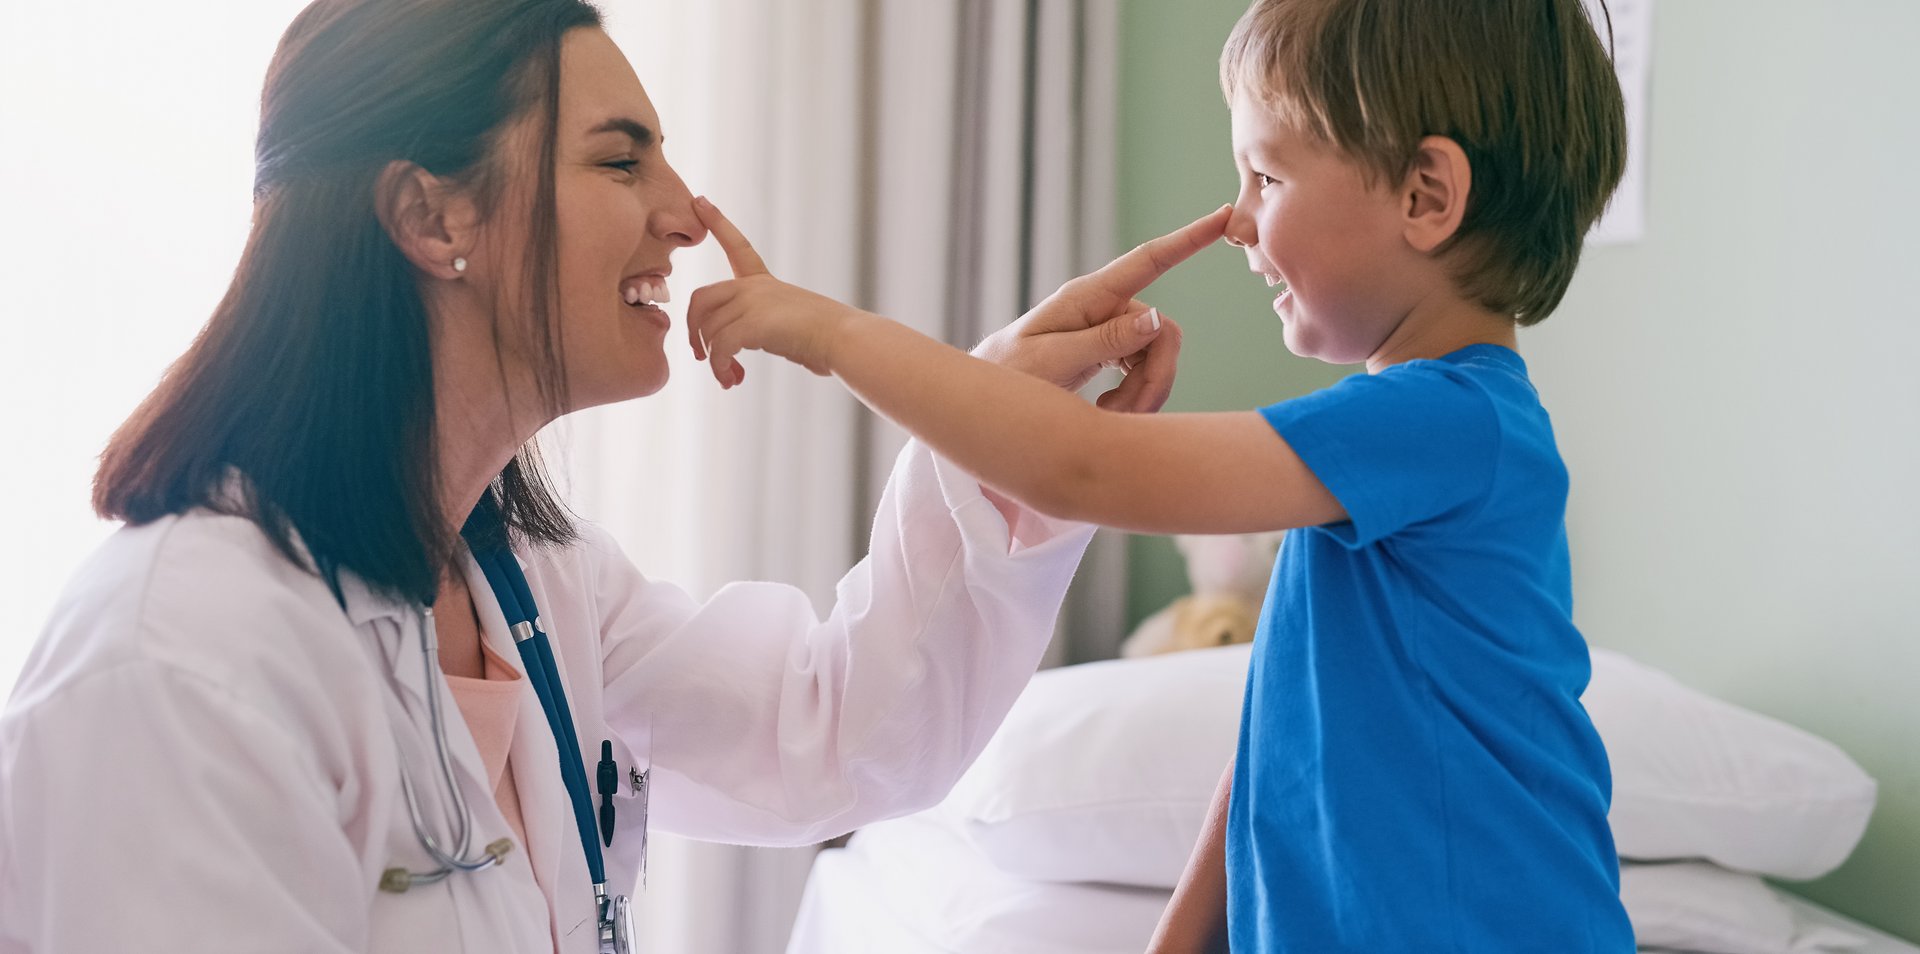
(646, 291)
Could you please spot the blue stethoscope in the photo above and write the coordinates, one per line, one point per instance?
(509, 585)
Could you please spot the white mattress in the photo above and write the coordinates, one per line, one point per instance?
(1877, 942)
(922, 892)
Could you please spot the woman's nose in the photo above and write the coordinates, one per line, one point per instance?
(674, 220)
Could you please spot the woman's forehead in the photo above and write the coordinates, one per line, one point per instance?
(599, 92)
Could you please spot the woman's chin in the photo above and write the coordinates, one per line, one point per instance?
(637, 380)
(650, 382)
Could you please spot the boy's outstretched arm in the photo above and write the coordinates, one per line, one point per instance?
(1185, 473)
(1195, 921)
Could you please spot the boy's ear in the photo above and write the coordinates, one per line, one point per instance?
(1434, 195)
(430, 223)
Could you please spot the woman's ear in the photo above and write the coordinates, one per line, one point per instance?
(429, 222)
(1434, 195)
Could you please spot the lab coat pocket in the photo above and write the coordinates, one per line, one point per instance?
(625, 857)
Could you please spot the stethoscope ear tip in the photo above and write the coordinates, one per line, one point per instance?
(499, 849)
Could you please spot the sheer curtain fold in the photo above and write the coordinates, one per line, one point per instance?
(943, 162)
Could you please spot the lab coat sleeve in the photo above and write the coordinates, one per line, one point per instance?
(772, 726)
(121, 838)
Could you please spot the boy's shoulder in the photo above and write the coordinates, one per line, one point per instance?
(1424, 439)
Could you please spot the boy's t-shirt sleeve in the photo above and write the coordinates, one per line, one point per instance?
(1408, 445)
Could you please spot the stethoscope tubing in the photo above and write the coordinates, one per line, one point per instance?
(516, 602)
(457, 859)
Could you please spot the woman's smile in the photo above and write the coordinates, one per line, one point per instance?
(643, 295)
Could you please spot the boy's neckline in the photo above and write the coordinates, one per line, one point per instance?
(1498, 352)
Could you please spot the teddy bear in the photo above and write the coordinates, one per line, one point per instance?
(1228, 574)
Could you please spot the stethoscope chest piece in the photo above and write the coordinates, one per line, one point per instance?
(616, 926)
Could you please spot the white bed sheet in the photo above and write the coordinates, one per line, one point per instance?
(913, 886)
(1877, 942)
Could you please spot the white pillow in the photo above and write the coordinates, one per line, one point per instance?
(1103, 772)
(1695, 906)
(1696, 777)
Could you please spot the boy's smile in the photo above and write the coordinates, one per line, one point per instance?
(1328, 240)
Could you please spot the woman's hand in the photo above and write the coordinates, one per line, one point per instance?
(1094, 321)
(757, 311)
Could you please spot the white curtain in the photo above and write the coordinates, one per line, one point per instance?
(126, 172)
(943, 162)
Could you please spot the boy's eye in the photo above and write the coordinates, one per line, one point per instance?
(1263, 180)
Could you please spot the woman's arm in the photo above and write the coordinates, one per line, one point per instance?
(771, 724)
(1189, 473)
(1196, 919)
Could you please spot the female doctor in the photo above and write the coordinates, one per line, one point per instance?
(350, 678)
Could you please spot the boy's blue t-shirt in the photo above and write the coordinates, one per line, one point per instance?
(1415, 769)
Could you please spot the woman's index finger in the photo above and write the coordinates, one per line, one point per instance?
(1131, 273)
(740, 253)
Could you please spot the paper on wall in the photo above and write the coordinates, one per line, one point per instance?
(1625, 219)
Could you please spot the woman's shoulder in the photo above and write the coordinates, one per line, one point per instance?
(201, 564)
(201, 594)
(590, 556)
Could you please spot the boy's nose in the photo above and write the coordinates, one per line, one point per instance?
(1240, 229)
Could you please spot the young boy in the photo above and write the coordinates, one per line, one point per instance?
(1415, 771)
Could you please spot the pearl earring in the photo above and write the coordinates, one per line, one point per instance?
(460, 265)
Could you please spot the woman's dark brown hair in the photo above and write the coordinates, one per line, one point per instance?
(313, 380)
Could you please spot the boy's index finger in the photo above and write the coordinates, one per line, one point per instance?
(1131, 273)
(740, 253)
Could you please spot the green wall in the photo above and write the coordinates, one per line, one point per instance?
(1175, 166)
(1734, 394)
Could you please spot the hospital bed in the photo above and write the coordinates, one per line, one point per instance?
(1033, 853)
(853, 906)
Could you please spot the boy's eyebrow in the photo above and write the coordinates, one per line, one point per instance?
(1267, 153)
(641, 135)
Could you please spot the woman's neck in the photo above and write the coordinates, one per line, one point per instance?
(484, 410)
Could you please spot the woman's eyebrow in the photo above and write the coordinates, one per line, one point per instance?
(641, 135)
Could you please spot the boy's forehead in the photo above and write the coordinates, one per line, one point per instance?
(1258, 126)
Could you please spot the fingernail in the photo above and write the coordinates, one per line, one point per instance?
(1149, 322)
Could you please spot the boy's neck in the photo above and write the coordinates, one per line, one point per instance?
(1439, 326)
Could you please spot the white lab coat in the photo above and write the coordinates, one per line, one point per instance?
(201, 753)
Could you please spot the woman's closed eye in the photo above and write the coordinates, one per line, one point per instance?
(625, 166)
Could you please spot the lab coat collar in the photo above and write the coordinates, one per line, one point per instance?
(365, 604)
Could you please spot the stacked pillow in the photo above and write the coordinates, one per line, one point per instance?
(1700, 907)
(1103, 772)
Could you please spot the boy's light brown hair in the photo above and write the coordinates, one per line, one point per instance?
(1523, 86)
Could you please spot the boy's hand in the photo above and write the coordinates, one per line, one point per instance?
(1093, 322)
(757, 311)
